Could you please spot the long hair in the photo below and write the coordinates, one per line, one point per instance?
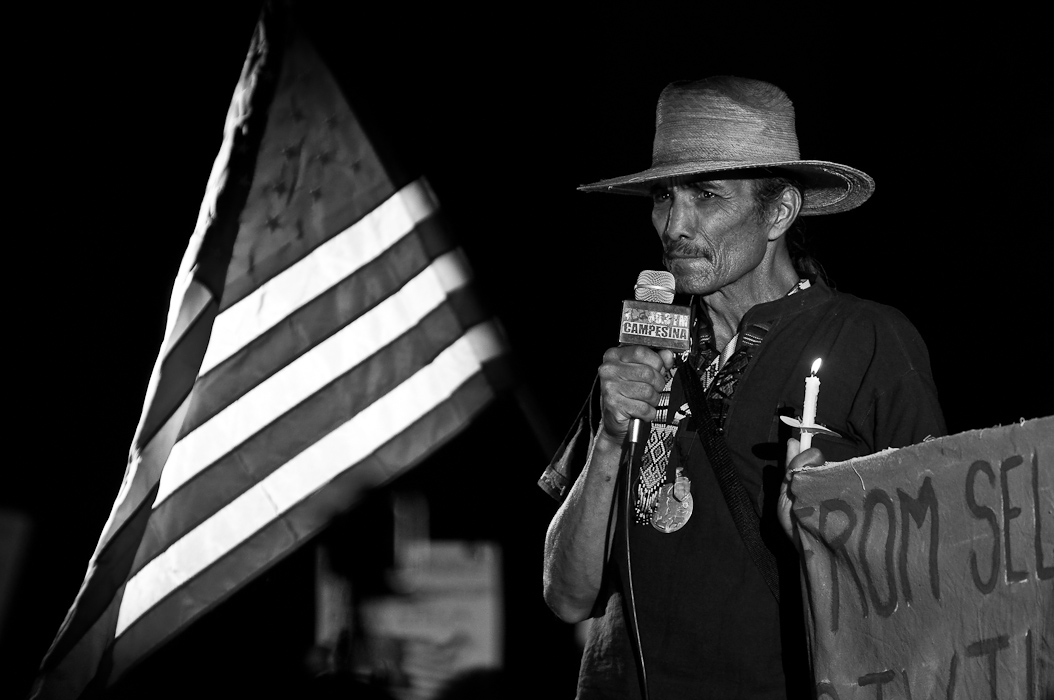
(767, 191)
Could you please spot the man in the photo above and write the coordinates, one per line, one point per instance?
(694, 596)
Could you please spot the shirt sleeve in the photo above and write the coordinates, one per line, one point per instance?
(570, 457)
(903, 408)
(908, 413)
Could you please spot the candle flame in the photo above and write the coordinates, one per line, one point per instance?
(816, 365)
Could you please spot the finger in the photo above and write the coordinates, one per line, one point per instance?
(811, 457)
(793, 448)
(633, 381)
(784, 507)
(633, 399)
(785, 510)
(616, 418)
(625, 367)
(638, 355)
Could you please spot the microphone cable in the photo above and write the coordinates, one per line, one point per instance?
(629, 458)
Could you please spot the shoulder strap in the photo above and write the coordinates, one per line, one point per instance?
(746, 518)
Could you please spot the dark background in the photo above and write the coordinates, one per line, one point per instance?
(118, 114)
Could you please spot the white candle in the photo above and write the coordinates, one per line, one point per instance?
(808, 418)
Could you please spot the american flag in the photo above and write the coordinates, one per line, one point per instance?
(322, 338)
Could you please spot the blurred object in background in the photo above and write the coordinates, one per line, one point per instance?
(446, 621)
(15, 531)
(436, 629)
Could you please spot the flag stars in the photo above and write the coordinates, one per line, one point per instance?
(316, 193)
(273, 222)
(324, 158)
(278, 187)
(332, 122)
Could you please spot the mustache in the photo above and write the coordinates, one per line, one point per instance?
(686, 250)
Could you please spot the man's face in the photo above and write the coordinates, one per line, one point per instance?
(710, 233)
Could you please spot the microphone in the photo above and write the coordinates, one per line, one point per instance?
(652, 319)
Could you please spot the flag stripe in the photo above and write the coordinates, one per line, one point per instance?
(114, 554)
(194, 301)
(270, 544)
(89, 629)
(308, 471)
(78, 664)
(307, 374)
(316, 321)
(161, 424)
(310, 276)
(268, 449)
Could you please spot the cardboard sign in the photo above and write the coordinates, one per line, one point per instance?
(930, 569)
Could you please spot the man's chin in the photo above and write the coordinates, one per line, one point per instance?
(694, 290)
(687, 279)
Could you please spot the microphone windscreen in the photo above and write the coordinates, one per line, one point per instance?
(655, 286)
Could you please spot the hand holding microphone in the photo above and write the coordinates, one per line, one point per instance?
(651, 330)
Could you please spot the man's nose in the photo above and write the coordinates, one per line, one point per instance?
(678, 220)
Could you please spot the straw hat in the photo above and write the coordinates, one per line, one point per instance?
(727, 123)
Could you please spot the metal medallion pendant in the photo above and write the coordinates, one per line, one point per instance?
(673, 505)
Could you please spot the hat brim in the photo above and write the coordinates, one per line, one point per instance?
(829, 188)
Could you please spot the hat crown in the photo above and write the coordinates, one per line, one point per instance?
(726, 123)
(724, 119)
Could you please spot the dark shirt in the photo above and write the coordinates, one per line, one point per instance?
(709, 626)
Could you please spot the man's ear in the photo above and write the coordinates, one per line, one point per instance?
(785, 212)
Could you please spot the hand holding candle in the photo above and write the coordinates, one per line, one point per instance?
(807, 426)
(808, 418)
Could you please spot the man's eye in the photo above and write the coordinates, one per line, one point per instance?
(658, 197)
